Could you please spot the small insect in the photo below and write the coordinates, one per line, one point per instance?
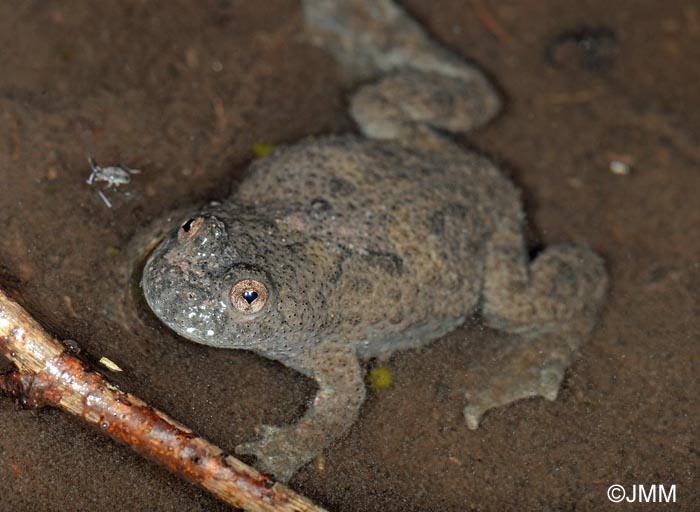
(113, 175)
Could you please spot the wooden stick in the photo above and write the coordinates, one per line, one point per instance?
(48, 375)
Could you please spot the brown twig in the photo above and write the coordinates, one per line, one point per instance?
(488, 20)
(48, 375)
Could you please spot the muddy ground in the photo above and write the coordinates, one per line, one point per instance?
(183, 90)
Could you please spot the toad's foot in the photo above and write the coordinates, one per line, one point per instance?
(277, 452)
(281, 451)
(415, 107)
(526, 368)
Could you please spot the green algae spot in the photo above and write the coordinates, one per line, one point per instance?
(380, 377)
(261, 150)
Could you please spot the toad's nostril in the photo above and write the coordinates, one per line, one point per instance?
(190, 228)
(186, 226)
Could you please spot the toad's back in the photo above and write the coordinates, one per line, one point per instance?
(411, 227)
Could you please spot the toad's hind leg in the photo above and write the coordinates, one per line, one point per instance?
(549, 305)
(420, 85)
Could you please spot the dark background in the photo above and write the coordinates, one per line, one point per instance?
(182, 90)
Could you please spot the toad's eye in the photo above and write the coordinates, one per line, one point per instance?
(249, 296)
(190, 228)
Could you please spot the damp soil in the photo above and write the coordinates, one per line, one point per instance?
(183, 90)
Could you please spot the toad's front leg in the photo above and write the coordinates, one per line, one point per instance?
(282, 450)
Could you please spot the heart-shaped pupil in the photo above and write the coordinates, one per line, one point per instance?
(250, 296)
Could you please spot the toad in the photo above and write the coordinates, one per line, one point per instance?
(340, 249)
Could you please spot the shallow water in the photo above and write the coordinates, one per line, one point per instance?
(145, 84)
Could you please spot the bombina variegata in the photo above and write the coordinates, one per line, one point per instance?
(339, 249)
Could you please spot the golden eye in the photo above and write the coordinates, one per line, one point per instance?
(190, 228)
(249, 296)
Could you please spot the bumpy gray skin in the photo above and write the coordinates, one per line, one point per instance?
(372, 245)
